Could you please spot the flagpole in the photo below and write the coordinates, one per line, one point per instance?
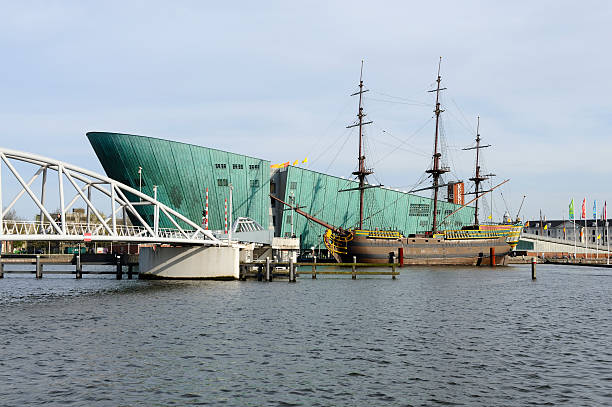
(596, 235)
(608, 240)
(574, 223)
(573, 219)
(586, 243)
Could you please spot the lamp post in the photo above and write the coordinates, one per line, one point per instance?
(229, 236)
(140, 180)
(292, 198)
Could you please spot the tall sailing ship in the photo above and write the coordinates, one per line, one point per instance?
(471, 245)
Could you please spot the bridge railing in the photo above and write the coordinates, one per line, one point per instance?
(13, 227)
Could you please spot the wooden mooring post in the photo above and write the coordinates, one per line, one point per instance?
(533, 268)
(1, 269)
(492, 256)
(291, 270)
(354, 268)
(393, 265)
(314, 267)
(268, 273)
(79, 267)
(39, 267)
(130, 271)
(400, 254)
(119, 268)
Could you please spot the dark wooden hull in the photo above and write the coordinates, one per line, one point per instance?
(426, 251)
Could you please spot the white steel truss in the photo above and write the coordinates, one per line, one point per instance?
(106, 228)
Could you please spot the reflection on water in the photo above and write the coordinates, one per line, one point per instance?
(435, 336)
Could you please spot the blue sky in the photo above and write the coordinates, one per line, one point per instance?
(272, 79)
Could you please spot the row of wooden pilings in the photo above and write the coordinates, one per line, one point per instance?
(265, 270)
(78, 268)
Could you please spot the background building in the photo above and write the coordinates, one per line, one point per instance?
(555, 229)
(183, 171)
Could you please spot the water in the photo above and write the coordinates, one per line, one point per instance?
(434, 336)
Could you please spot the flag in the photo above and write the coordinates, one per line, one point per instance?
(305, 160)
(489, 217)
(527, 224)
(605, 213)
(584, 208)
(295, 163)
(283, 165)
(546, 226)
(599, 236)
(595, 210)
(571, 210)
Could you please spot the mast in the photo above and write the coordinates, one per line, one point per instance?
(436, 171)
(477, 178)
(362, 172)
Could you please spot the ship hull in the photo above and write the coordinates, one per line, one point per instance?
(425, 251)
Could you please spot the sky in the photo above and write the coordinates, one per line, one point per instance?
(272, 80)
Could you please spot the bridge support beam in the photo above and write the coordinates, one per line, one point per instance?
(199, 262)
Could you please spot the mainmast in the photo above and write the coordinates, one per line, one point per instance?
(362, 172)
(477, 177)
(436, 171)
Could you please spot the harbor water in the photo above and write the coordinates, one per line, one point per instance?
(434, 336)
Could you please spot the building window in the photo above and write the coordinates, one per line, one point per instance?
(254, 183)
(253, 166)
(293, 185)
(237, 166)
(448, 212)
(222, 182)
(288, 218)
(272, 187)
(219, 166)
(419, 210)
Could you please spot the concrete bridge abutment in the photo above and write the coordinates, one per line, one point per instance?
(199, 262)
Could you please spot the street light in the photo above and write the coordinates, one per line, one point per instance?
(229, 236)
(292, 199)
(140, 180)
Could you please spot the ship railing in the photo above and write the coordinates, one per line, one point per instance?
(380, 234)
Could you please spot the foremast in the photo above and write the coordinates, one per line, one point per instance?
(362, 172)
(436, 171)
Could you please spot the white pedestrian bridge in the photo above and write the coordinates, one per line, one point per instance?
(72, 185)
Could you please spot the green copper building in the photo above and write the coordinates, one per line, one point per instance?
(182, 173)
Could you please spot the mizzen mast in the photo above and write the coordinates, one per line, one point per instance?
(436, 171)
(362, 172)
